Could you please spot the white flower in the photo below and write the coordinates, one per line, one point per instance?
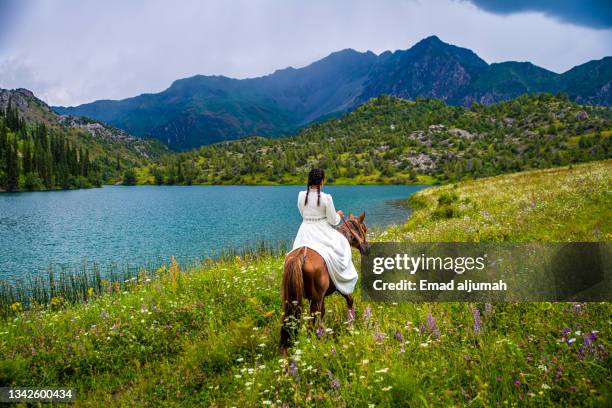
(382, 370)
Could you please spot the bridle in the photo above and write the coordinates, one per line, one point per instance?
(353, 233)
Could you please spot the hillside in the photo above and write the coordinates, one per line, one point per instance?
(36, 143)
(202, 109)
(391, 140)
(209, 336)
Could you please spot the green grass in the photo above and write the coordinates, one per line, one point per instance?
(209, 336)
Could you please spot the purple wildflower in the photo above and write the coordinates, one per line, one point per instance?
(367, 313)
(320, 332)
(293, 369)
(422, 328)
(398, 336)
(333, 381)
(577, 308)
(477, 320)
(333, 351)
(566, 331)
(379, 336)
(488, 308)
(433, 327)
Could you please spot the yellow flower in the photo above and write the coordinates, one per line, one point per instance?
(16, 307)
(90, 292)
(56, 300)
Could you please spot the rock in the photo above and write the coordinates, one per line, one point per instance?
(437, 128)
(582, 115)
(422, 162)
(464, 134)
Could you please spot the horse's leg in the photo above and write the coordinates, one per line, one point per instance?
(317, 310)
(350, 313)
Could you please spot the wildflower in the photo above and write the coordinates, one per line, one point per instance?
(422, 328)
(333, 381)
(16, 307)
(379, 336)
(387, 388)
(398, 336)
(319, 332)
(433, 327)
(56, 300)
(367, 313)
(293, 369)
(382, 370)
(477, 320)
(488, 308)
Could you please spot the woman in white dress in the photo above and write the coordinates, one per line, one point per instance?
(317, 232)
(320, 262)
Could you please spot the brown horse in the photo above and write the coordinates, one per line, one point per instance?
(306, 275)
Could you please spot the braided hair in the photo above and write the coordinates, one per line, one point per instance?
(315, 178)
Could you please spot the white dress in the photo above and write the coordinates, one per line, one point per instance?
(317, 233)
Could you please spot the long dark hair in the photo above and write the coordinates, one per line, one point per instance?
(315, 178)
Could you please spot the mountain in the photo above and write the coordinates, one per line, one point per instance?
(205, 109)
(40, 149)
(393, 140)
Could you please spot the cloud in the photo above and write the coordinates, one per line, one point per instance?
(589, 13)
(74, 51)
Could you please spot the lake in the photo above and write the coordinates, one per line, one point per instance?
(146, 225)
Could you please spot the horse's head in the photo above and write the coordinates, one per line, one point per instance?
(355, 231)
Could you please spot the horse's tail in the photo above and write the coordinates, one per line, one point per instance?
(292, 292)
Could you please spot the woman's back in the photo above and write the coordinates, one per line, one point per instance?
(319, 206)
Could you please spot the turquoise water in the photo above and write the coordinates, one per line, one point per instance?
(146, 225)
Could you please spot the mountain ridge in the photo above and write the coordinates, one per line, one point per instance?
(203, 109)
(109, 150)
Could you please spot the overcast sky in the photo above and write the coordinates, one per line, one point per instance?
(74, 51)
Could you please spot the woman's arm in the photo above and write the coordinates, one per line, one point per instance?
(332, 216)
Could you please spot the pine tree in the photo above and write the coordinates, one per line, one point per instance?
(27, 157)
(12, 173)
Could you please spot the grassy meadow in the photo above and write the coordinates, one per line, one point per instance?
(208, 336)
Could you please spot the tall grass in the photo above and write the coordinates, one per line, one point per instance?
(56, 288)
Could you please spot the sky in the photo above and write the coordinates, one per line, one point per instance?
(70, 52)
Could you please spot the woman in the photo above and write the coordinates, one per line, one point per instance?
(317, 232)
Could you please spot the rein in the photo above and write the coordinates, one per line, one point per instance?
(353, 233)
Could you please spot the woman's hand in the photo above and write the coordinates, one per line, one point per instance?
(340, 213)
